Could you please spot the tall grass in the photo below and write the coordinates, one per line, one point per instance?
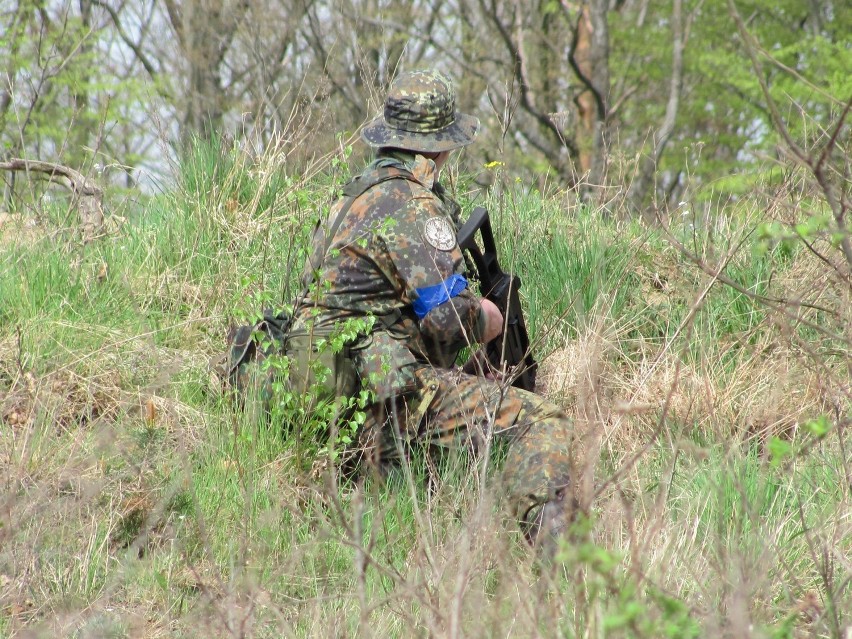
(138, 502)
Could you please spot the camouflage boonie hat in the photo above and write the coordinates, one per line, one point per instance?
(420, 115)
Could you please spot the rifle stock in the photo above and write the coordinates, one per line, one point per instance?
(512, 346)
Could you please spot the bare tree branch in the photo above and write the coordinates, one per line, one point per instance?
(585, 80)
(527, 94)
(817, 168)
(176, 19)
(640, 185)
(88, 196)
(135, 47)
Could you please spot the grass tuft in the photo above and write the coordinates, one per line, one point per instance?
(711, 452)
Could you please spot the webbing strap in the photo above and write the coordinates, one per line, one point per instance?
(353, 190)
(430, 388)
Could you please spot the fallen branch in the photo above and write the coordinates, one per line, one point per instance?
(88, 197)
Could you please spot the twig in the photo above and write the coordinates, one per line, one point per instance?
(836, 203)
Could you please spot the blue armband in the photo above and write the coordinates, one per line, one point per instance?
(431, 296)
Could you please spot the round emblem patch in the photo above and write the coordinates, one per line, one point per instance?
(440, 234)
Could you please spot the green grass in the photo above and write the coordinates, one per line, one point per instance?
(138, 502)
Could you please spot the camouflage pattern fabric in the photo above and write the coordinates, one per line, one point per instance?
(420, 115)
(378, 261)
(452, 409)
(398, 238)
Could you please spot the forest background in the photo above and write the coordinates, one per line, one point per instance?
(570, 93)
(671, 180)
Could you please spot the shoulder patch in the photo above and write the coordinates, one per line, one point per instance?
(440, 234)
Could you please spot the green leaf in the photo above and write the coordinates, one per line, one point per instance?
(837, 237)
(803, 229)
(818, 427)
(778, 450)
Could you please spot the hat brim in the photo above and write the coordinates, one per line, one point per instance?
(460, 133)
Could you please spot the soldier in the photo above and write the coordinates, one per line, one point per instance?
(389, 251)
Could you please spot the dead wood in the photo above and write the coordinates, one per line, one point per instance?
(87, 196)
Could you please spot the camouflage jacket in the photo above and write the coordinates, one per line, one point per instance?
(394, 249)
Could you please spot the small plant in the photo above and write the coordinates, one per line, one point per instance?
(619, 601)
(309, 405)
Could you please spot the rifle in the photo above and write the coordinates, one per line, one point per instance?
(512, 346)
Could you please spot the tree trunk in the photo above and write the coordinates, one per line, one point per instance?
(590, 60)
(648, 163)
(205, 30)
(81, 133)
(204, 112)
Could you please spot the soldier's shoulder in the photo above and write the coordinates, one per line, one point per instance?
(401, 191)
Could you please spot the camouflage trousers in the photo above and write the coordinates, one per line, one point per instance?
(452, 409)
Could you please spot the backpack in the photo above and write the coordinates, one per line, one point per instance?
(315, 365)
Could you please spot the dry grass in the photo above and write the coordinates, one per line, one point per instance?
(135, 503)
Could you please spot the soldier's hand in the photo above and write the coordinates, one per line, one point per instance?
(493, 320)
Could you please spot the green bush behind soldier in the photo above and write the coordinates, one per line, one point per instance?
(394, 256)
